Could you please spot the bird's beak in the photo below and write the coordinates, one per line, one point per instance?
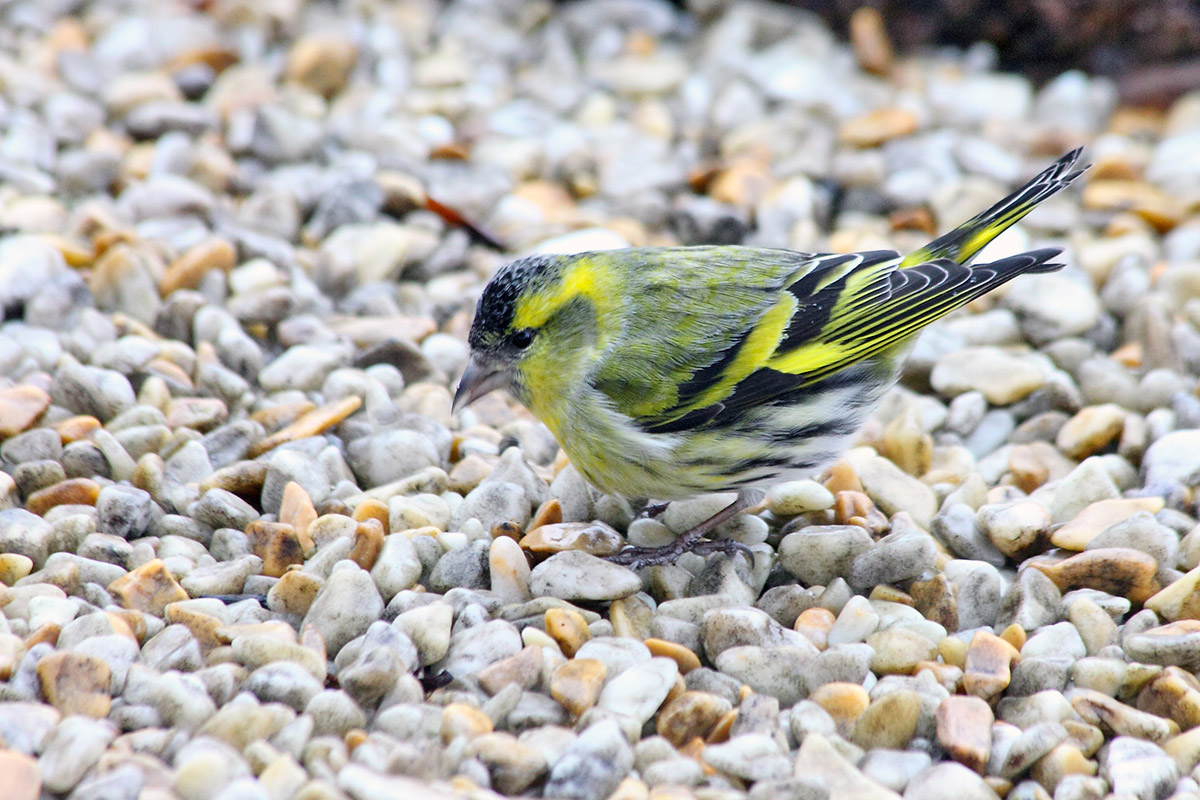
(478, 379)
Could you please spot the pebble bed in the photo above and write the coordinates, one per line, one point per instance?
(247, 553)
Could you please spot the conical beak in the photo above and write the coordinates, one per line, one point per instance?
(478, 379)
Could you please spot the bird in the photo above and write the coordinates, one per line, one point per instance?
(669, 372)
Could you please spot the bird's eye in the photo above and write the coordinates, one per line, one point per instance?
(522, 338)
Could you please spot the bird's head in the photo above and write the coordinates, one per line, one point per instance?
(538, 326)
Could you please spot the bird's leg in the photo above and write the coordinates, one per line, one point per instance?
(652, 510)
(691, 540)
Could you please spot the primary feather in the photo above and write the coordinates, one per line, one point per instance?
(666, 372)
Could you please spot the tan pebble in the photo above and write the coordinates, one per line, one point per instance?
(1146, 200)
(1091, 429)
(22, 778)
(198, 413)
(469, 473)
(814, 625)
(692, 714)
(368, 541)
(742, 183)
(243, 478)
(1063, 760)
(275, 417)
(314, 422)
(73, 491)
(1019, 529)
(631, 617)
(47, 633)
(13, 567)
(720, 731)
(128, 622)
(321, 63)
(869, 38)
(1015, 635)
(937, 600)
(1088, 738)
(987, 670)
(150, 588)
(1120, 571)
(1178, 600)
(1173, 694)
(277, 544)
(890, 721)
(878, 126)
(856, 508)
(20, 407)
(576, 684)
(460, 719)
(76, 683)
(203, 626)
(523, 669)
(1185, 749)
(369, 508)
(76, 429)
(1098, 516)
(630, 789)
(1027, 469)
(964, 728)
(890, 594)
(595, 538)
(548, 513)
(685, 658)
(189, 269)
(294, 592)
(845, 702)
(568, 628)
(296, 509)
(843, 478)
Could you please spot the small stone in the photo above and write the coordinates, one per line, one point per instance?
(150, 588)
(593, 765)
(576, 684)
(749, 756)
(641, 689)
(311, 423)
(818, 757)
(595, 538)
(948, 781)
(889, 722)
(1117, 571)
(73, 491)
(844, 702)
(20, 408)
(187, 271)
(816, 554)
(1091, 429)
(512, 765)
(691, 715)
(869, 38)
(988, 665)
(508, 570)
(459, 719)
(1017, 529)
(321, 63)
(345, 606)
(76, 683)
(575, 575)
(1139, 769)
(1002, 377)
(893, 490)
(682, 656)
(72, 749)
(23, 780)
(878, 126)
(523, 669)
(1099, 516)
(428, 627)
(294, 592)
(964, 728)
(1180, 599)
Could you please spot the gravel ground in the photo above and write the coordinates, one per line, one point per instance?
(232, 323)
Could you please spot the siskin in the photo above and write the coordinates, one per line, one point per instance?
(669, 372)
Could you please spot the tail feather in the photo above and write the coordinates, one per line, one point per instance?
(964, 242)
